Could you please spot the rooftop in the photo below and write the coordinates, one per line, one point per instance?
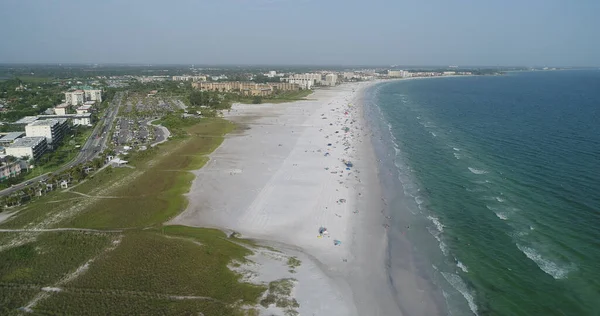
(9, 137)
(84, 107)
(28, 141)
(62, 105)
(85, 87)
(48, 122)
(27, 120)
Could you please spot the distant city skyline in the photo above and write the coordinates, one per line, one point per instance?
(538, 33)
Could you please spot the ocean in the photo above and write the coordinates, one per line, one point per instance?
(495, 181)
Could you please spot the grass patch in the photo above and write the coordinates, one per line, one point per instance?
(280, 295)
(114, 303)
(36, 211)
(293, 263)
(155, 262)
(290, 96)
(156, 195)
(50, 257)
(102, 179)
(13, 297)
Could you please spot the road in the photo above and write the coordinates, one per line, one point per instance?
(94, 145)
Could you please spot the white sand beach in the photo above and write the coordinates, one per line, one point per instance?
(282, 176)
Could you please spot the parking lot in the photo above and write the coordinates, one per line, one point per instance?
(133, 133)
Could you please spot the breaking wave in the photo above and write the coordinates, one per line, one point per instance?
(462, 266)
(477, 171)
(458, 284)
(544, 264)
(436, 222)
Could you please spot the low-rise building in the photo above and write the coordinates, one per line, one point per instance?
(10, 138)
(26, 120)
(9, 169)
(52, 129)
(82, 119)
(30, 147)
(83, 109)
(61, 109)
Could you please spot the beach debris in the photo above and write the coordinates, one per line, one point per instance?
(348, 163)
(336, 242)
(326, 154)
(323, 231)
(326, 168)
(342, 201)
(329, 144)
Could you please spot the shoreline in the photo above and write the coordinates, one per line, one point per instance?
(280, 193)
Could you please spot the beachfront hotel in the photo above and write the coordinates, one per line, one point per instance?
(246, 88)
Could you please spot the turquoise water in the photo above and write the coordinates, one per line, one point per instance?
(497, 187)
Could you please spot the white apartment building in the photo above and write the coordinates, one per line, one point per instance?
(189, 78)
(397, 73)
(93, 95)
(305, 81)
(330, 79)
(317, 78)
(76, 97)
(31, 147)
(305, 84)
(349, 75)
(52, 129)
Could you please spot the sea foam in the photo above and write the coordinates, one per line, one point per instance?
(462, 266)
(544, 264)
(458, 284)
(477, 171)
(436, 222)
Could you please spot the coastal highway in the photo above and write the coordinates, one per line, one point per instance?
(94, 145)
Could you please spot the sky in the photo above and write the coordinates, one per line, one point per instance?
(302, 32)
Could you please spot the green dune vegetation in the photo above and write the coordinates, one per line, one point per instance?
(100, 247)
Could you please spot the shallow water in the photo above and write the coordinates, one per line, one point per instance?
(495, 182)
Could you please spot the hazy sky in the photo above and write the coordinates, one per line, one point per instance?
(341, 32)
